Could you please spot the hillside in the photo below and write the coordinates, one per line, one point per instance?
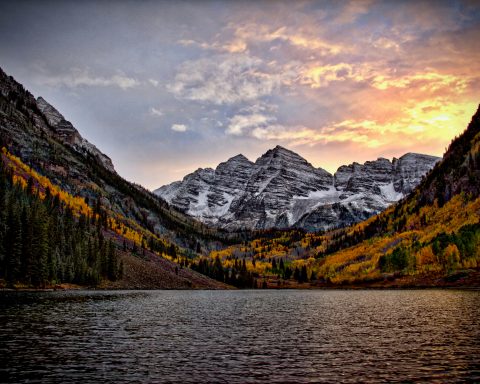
(430, 238)
(49, 238)
(37, 133)
(44, 152)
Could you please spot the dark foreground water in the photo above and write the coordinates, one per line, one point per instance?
(240, 336)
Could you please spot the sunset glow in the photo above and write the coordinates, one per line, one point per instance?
(192, 84)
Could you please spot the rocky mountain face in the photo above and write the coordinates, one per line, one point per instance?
(281, 189)
(69, 135)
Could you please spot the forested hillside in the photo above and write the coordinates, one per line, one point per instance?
(432, 237)
(43, 240)
(43, 139)
(50, 238)
(68, 217)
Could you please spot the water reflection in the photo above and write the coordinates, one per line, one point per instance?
(240, 336)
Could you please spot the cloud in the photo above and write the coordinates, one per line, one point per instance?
(156, 112)
(322, 76)
(259, 107)
(431, 121)
(300, 37)
(179, 127)
(239, 124)
(78, 77)
(386, 43)
(237, 39)
(301, 135)
(352, 10)
(426, 81)
(231, 46)
(225, 79)
(362, 78)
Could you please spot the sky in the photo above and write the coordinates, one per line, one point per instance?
(167, 87)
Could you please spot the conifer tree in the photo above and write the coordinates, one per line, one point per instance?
(13, 244)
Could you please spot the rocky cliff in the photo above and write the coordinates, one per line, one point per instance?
(68, 134)
(281, 189)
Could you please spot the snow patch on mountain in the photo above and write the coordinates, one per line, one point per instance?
(389, 193)
(282, 189)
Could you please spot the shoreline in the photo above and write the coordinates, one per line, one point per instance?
(323, 288)
(466, 281)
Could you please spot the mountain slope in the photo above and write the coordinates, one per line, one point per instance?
(69, 135)
(52, 146)
(281, 189)
(433, 232)
(429, 238)
(45, 147)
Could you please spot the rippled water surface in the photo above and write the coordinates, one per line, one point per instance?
(240, 336)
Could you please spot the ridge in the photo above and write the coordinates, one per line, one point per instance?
(282, 189)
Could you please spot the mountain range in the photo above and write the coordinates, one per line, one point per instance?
(67, 216)
(431, 238)
(281, 189)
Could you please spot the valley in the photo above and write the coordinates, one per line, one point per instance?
(275, 223)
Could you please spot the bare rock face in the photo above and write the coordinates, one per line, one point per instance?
(69, 135)
(367, 189)
(276, 178)
(410, 169)
(281, 189)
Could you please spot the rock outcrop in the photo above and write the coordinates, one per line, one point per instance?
(281, 189)
(67, 133)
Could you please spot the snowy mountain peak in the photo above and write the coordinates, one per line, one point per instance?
(280, 149)
(281, 153)
(282, 189)
(203, 172)
(238, 161)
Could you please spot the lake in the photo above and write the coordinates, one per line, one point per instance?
(240, 336)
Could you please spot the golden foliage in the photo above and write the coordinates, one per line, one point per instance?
(124, 227)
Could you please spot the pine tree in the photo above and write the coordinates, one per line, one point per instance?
(112, 267)
(40, 245)
(296, 274)
(13, 245)
(303, 274)
(27, 238)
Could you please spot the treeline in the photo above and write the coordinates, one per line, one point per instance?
(286, 273)
(448, 251)
(236, 275)
(42, 242)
